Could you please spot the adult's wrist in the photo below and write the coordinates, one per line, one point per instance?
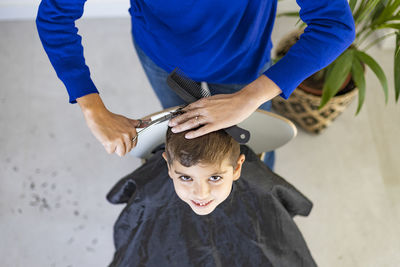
(91, 104)
(261, 90)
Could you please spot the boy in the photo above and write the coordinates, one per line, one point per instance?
(203, 169)
(244, 222)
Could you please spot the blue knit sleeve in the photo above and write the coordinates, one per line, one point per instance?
(56, 26)
(330, 30)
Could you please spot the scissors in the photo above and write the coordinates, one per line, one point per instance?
(144, 124)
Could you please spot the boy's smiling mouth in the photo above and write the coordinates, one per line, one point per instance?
(201, 204)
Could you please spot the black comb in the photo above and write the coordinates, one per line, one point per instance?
(191, 91)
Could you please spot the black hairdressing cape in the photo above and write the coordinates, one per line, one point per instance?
(252, 227)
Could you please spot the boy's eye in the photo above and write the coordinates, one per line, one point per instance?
(215, 178)
(185, 178)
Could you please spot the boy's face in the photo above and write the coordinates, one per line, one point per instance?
(203, 187)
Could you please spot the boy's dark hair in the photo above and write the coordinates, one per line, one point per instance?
(212, 148)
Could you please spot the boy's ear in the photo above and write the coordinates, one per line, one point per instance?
(164, 155)
(237, 171)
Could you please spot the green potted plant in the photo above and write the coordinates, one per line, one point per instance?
(324, 95)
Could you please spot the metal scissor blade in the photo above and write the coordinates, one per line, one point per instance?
(172, 114)
(162, 119)
(146, 124)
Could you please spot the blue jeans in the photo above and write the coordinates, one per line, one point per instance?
(168, 98)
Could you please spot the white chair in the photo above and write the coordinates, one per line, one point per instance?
(268, 131)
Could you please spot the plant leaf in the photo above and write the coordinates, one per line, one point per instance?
(288, 14)
(302, 25)
(397, 67)
(389, 25)
(357, 11)
(336, 76)
(378, 40)
(368, 8)
(374, 66)
(377, 12)
(352, 4)
(387, 12)
(397, 17)
(357, 72)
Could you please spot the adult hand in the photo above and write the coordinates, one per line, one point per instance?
(115, 132)
(222, 111)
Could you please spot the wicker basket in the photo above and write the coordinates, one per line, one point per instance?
(302, 108)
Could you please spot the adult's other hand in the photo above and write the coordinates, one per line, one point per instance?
(224, 110)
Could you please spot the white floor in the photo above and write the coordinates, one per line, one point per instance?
(54, 175)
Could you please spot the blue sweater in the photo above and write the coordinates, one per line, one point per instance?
(217, 41)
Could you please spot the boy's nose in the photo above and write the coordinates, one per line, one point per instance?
(202, 191)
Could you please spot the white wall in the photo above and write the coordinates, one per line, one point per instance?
(27, 9)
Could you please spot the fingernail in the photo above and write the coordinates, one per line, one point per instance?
(188, 136)
(174, 130)
(171, 124)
